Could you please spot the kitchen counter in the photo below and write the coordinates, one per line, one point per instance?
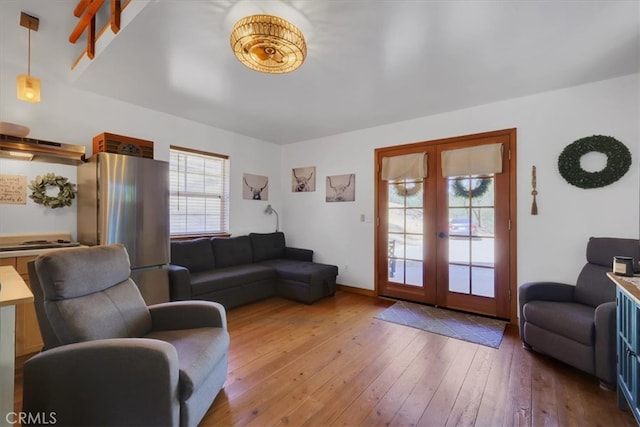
(19, 238)
(31, 252)
(28, 339)
(14, 292)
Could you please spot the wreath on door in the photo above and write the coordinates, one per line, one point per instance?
(618, 161)
(407, 189)
(478, 191)
(66, 191)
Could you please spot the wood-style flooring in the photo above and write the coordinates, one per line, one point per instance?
(332, 363)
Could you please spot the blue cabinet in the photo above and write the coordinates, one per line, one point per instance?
(628, 344)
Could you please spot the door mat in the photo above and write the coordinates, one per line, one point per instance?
(454, 324)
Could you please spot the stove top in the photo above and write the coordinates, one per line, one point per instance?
(38, 244)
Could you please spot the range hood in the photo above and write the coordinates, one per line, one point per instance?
(37, 150)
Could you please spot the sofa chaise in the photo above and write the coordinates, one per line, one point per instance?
(240, 270)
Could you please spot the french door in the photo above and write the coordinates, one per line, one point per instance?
(449, 241)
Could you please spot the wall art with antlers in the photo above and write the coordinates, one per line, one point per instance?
(255, 187)
(341, 188)
(303, 179)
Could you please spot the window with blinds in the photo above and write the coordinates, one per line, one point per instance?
(198, 192)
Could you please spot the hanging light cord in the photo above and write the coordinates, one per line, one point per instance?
(29, 53)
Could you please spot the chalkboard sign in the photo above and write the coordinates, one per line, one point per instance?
(13, 189)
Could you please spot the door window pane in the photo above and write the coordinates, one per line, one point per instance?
(405, 215)
(483, 282)
(413, 273)
(472, 236)
(459, 279)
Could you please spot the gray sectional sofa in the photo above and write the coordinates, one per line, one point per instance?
(243, 269)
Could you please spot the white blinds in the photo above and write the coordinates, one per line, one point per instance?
(198, 193)
(479, 160)
(409, 166)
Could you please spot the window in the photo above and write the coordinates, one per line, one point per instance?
(198, 192)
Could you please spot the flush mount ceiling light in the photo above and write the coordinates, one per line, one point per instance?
(28, 86)
(268, 44)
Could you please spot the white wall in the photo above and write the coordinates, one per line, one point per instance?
(72, 116)
(550, 246)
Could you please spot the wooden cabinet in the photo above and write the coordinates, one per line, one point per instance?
(28, 338)
(628, 345)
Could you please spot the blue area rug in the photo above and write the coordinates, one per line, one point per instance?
(454, 324)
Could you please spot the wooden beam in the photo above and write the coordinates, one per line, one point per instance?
(116, 10)
(85, 20)
(91, 39)
(80, 7)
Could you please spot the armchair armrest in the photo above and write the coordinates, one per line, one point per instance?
(176, 315)
(298, 254)
(545, 291)
(123, 381)
(179, 283)
(605, 354)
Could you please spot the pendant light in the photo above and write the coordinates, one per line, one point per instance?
(28, 86)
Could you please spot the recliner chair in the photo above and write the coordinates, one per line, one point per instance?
(577, 324)
(111, 360)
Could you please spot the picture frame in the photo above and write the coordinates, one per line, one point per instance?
(255, 187)
(303, 180)
(341, 188)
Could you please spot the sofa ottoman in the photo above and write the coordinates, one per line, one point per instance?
(304, 281)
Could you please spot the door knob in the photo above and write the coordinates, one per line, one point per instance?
(442, 235)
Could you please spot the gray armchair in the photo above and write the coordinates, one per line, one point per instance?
(108, 359)
(577, 324)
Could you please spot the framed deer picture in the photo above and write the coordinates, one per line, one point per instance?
(341, 188)
(255, 187)
(303, 180)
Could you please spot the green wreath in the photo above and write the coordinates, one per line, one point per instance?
(39, 191)
(478, 191)
(618, 161)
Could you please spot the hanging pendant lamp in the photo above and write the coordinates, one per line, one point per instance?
(28, 86)
(268, 44)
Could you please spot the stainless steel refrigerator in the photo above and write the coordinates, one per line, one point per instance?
(125, 199)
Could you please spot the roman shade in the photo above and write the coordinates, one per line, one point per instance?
(409, 166)
(479, 160)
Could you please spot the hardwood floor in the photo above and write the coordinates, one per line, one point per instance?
(332, 363)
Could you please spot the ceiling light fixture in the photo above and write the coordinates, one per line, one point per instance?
(28, 86)
(268, 44)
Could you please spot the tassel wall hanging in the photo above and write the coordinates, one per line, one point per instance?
(534, 192)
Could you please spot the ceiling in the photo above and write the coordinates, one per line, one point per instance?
(369, 63)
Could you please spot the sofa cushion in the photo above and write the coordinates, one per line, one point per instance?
(570, 320)
(223, 278)
(199, 351)
(194, 254)
(267, 245)
(232, 251)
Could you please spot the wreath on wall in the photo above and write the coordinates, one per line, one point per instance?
(478, 191)
(67, 191)
(618, 161)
